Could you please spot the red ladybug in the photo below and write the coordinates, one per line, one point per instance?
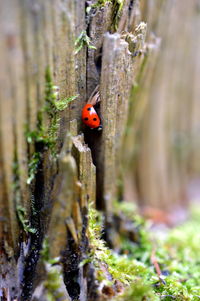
(90, 117)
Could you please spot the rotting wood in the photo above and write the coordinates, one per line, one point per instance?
(9, 128)
(130, 16)
(58, 196)
(80, 60)
(77, 226)
(73, 185)
(100, 21)
(69, 217)
(114, 90)
(31, 42)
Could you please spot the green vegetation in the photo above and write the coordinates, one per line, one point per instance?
(16, 179)
(122, 268)
(83, 40)
(54, 281)
(20, 211)
(175, 251)
(63, 103)
(117, 6)
(117, 265)
(46, 136)
(45, 253)
(22, 216)
(52, 285)
(32, 167)
(99, 3)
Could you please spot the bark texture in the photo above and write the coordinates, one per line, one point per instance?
(54, 54)
(48, 172)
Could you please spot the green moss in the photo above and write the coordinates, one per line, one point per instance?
(83, 40)
(32, 166)
(139, 290)
(53, 282)
(101, 2)
(45, 137)
(52, 285)
(140, 250)
(53, 107)
(20, 211)
(98, 4)
(22, 216)
(121, 267)
(45, 253)
(176, 252)
(63, 103)
(117, 6)
(117, 9)
(16, 179)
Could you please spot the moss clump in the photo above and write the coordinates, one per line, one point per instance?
(20, 210)
(117, 6)
(117, 9)
(52, 107)
(139, 290)
(45, 137)
(121, 268)
(83, 40)
(22, 216)
(54, 288)
(52, 285)
(62, 104)
(176, 252)
(98, 4)
(45, 253)
(32, 166)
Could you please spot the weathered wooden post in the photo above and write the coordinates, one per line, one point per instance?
(54, 53)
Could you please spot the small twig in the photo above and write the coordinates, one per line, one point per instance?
(156, 265)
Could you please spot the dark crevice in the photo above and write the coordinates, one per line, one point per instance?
(40, 212)
(93, 137)
(93, 140)
(75, 276)
(35, 238)
(71, 259)
(131, 5)
(98, 60)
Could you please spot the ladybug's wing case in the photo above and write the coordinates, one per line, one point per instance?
(90, 117)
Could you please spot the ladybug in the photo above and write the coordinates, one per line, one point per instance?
(90, 117)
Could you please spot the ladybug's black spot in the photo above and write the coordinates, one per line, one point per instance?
(88, 109)
(94, 119)
(85, 118)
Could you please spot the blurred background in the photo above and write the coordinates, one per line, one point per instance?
(163, 135)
